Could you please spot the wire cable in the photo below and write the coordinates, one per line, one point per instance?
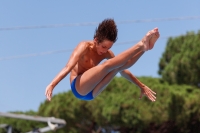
(96, 23)
(62, 51)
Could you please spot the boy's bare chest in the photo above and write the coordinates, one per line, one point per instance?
(90, 60)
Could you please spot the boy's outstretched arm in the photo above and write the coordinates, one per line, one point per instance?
(144, 89)
(77, 53)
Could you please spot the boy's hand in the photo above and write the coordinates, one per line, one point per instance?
(48, 92)
(146, 91)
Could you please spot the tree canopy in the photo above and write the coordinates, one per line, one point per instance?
(180, 63)
(118, 108)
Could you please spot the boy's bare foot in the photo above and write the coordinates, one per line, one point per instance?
(154, 38)
(150, 39)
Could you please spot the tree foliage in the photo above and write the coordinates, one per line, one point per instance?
(118, 108)
(180, 63)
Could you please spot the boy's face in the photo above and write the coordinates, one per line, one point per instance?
(103, 46)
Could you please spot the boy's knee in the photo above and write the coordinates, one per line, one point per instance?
(107, 64)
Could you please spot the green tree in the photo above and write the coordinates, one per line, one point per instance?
(118, 108)
(180, 63)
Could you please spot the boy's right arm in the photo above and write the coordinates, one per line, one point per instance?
(77, 53)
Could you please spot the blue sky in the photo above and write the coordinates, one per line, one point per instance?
(25, 72)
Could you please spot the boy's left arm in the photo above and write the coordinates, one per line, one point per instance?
(144, 89)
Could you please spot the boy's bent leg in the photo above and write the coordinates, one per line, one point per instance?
(86, 82)
(108, 78)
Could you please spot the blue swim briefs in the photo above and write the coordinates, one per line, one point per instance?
(87, 97)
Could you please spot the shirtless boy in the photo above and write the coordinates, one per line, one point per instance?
(88, 78)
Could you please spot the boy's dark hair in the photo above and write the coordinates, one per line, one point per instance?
(107, 29)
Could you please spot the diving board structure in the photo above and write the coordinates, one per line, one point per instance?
(52, 123)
